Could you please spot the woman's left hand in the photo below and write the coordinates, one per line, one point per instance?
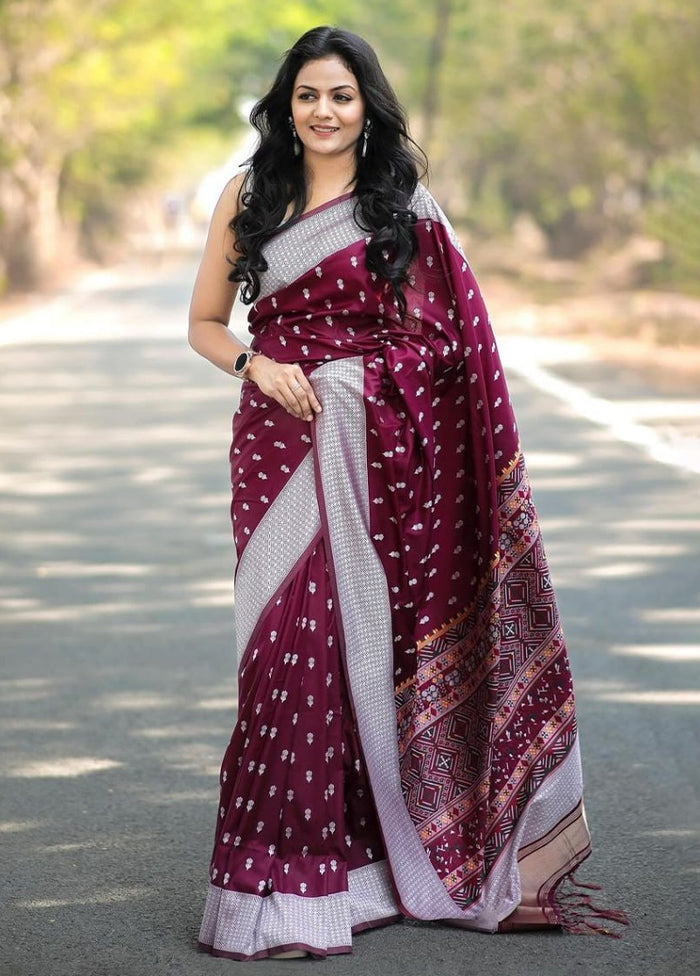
(285, 383)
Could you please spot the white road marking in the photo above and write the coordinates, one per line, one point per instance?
(530, 357)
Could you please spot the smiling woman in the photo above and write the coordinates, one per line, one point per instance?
(406, 742)
(328, 112)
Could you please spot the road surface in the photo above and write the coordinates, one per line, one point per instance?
(117, 681)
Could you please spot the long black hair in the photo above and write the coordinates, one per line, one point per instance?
(385, 178)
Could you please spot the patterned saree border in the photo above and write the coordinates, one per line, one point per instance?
(481, 791)
(283, 534)
(556, 800)
(500, 804)
(240, 925)
(304, 244)
(362, 599)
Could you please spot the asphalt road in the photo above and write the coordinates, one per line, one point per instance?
(117, 674)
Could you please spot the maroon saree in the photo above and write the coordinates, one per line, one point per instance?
(406, 739)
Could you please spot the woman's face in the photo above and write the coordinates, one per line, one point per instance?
(327, 107)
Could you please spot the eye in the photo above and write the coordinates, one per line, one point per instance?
(305, 96)
(343, 98)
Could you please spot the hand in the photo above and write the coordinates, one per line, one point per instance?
(286, 383)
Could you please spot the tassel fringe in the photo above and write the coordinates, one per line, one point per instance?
(577, 914)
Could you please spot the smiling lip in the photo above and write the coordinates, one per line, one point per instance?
(324, 130)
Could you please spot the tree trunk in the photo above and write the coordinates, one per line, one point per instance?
(436, 56)
(29, 223)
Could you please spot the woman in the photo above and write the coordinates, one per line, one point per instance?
(406, 737)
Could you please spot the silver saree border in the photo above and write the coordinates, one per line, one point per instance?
(365, 612)
(245, 924)
(305, 243)
(283, 534)
(364, 608)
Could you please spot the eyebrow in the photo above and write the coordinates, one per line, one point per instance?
(337, 87)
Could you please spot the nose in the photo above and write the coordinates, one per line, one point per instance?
(323, 108)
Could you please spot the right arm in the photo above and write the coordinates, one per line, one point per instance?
(210, 310)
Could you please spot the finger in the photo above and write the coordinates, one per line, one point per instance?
(311, 398)
(284, 395)
(285, 399)
(302, 399)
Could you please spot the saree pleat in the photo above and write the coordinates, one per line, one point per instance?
(406, 741)
(296, 815)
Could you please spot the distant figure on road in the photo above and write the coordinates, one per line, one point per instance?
(406, 739)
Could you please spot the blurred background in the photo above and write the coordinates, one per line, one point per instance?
(564, 139)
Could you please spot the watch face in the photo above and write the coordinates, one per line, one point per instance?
(240, 362)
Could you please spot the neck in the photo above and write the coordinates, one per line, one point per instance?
(329, 174)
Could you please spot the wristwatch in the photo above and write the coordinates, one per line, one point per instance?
(242, 361)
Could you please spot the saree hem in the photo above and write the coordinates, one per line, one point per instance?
(314, 952)
(245, 926)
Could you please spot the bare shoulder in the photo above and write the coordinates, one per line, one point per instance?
(230, 199)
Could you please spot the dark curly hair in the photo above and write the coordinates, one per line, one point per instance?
(385, 178)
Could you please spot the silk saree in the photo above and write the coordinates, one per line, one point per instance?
(406, 741)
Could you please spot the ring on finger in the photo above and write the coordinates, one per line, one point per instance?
(296, 385)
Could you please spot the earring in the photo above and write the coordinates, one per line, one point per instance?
(365, 137)
(295, 137)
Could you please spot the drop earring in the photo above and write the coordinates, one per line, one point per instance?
(365, 137)
(295, 138)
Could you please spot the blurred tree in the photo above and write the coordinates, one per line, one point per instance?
(562, 110)
(570, 106)
(674, 216)
(93, 89)
(568, 112)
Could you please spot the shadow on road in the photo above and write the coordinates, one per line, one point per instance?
(118, 679)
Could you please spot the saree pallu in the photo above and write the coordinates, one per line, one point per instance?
(406, 740)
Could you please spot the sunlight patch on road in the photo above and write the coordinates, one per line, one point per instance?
(171, 732)
(71, 570)
(595, 687)
(552, 461)
(572, 482)
(212, 593)
(26, 695)
(677, 697)
(661, 409)
(94, 898)
(46, 486)
(620, 570)
(34, 725)
(67, 766)
(185, 796)
(650, 524)
(216, 704)
(78, 611)
(672, 615)
(133, 701)
(19, 826)
(554, 524)
(660, 652)
(650, 549)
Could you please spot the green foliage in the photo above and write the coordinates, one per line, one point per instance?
(583, 114)
(674, 216)
(93, 90)
(561, 110)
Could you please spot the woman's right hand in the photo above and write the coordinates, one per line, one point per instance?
(285, 383)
